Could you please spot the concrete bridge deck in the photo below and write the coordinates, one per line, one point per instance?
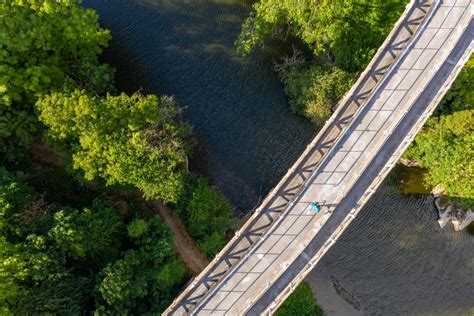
(341, 168)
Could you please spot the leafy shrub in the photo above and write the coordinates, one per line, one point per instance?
(445, 147)
(206, 214)
(313, 90)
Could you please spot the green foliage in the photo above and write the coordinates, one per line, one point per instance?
(50, 255)
(314, 90)
(301, 302)
(59, 294)
(207, 216)
(342, 35)
(127, 140)
(23, 264)
(82, 261)
(461, 95)
(15, 195)
(45, 46)
(87, 235)
(445, 147)
(137, 228)
(145, 278)
(348, 32)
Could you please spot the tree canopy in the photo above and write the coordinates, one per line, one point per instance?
(80, 261)
(45, 46)
(445, 146)
(128, 140)
(347, 33)
(145, 278)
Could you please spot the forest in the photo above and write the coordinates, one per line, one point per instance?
(76, 236)
(75, 239)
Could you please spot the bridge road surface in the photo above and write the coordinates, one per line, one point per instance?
(353, 168)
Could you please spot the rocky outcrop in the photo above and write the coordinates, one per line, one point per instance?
(459, 216)
(409, 162)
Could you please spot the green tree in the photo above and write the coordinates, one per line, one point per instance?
(445, 147)
(22, 265)
(314, 90)
(207, 216)
(345, 33)
(59, 294)
(128, 140)
(301, 302)
(46, 45)
(15, 195)
(145, 279)
(91, 235)
(55, 272)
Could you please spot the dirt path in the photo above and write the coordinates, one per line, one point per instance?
(187, 249)
(194, 259)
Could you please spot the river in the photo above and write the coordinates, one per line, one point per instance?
(393, 259)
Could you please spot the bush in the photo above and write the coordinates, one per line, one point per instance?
(207, 216)
(313, 91)
(445, 147)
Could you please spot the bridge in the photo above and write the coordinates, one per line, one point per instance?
(341, 168)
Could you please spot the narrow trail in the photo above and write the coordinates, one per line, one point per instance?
(194, 259)
(187, 249)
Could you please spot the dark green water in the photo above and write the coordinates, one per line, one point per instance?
(394, 258)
